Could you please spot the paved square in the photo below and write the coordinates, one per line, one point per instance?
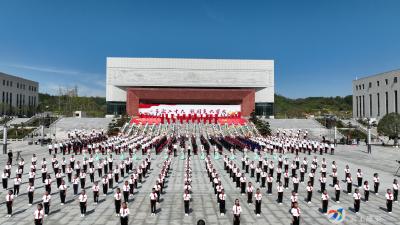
(203, 204)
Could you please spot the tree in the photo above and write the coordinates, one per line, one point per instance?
(262, 126)
(389, 126)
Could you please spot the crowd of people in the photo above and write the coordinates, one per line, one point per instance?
(108, 162)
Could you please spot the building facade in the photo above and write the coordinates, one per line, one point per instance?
(377, 95)
(135, 81)
(18, 96)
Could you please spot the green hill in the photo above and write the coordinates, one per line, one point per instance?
(317, 106)
(66, 105)
(284, 107)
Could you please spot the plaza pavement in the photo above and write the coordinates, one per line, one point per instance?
(203, 204)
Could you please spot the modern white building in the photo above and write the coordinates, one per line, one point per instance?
(18, 96)
(160, 74)
(377, 95)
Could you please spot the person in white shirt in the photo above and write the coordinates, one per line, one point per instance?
(258, 197)
(295, 211)
(222, 197)
(236, 210)
(38, 214)
(359, 178)
(270, 179)
(325, 200)
(68, 171)
(349, 182)
(126, 189)
(63, 192)
(50, 148)
(30, 191)
(347, 171)
(280, 193)
(117, 201)
(186, 200)
(124, 214)
(395, 190)
(105, 185)
(389, 200)
(310, 189)
(376, 183)
(366, 191)
(337, 191)
(294, 198)
(357, 199)
(258, 174)
(17, 183)
(4, 177)
(286, 179)
(46, 202)
(83, 202)
(47, 184)
(250, 193)
(75, 184)
(295, 183)
(96, 190)
(263, 178)
(153, 201)
(9, 202)
(322, 181)
(31, 177)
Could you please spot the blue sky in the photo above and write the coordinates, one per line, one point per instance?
(319, 46)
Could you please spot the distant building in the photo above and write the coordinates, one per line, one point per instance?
(18, 96)
(377, 95)
(79, 114)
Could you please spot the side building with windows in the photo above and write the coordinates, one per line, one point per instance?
(18, 96)
(377, 95)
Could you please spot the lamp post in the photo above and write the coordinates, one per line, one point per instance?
(369, 136)
(335, 135)
(42, 127)
(5, 138)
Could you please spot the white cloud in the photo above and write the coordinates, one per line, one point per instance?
(49, 69)
(46, 69)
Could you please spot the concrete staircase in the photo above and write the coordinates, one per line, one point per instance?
(314, 128)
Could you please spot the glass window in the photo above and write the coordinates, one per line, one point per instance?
(395, 80)
(264, 109)
(377, 83)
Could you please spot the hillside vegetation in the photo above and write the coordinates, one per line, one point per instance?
(66, 105)
(317, 106)
(284, 107)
